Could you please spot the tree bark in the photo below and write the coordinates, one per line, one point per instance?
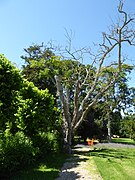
(67, 128)
(109, 130)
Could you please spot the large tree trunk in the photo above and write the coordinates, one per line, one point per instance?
(67, 138)
(67, 127)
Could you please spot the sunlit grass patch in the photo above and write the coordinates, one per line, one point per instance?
(115, 163)
(123, 140)
(46, 168)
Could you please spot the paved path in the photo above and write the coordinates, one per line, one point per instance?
(113, 145)
(79, 166)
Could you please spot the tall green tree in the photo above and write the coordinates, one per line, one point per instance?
(128, 126)
(116, 100)
(99, 82)
(80, 87)
(39, 68)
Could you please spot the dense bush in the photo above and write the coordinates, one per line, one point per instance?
(10, 84)
(36, 110)
(37, 116)
(29, 121)
(16, 152)
(46, 142)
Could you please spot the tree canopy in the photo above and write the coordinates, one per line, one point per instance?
(79, 87)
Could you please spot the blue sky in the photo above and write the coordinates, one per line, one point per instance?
(24, 22)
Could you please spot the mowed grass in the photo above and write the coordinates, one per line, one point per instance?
(45, 168)
(115, 164)
(123, 140)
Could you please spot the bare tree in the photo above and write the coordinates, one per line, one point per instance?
(94, 84)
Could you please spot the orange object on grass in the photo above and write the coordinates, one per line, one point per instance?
(90, 142)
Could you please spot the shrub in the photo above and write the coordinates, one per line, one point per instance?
(46, 142)
(29, 121)
(10, 84)
(16, 152)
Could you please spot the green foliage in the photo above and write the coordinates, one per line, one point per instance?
(16, 152)
(45, 168)
(40, 67)
(46, 142)
(36, 110)
(10, 84)
(119, 97)
(30, 122)
(128, 127)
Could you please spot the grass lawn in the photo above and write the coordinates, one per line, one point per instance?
(112, 164)
(46, 168)
(123, 140)
(115, 164)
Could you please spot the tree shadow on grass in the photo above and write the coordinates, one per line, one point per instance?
(36, 175)
(49, 167)
(46, 167)
(113, 153)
